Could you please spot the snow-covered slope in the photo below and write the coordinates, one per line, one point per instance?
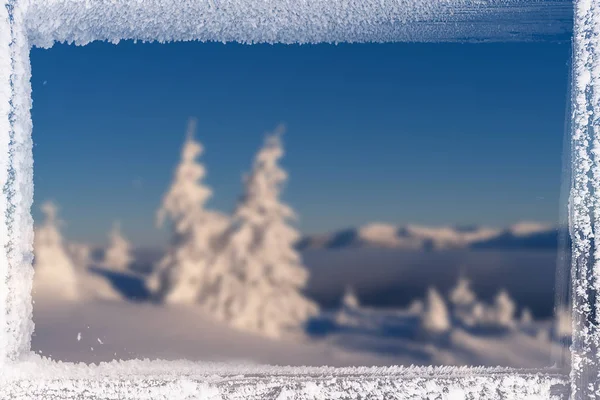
(96, 331)
(415, 237)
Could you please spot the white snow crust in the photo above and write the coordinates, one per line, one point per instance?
(290, 21)
(175, 380)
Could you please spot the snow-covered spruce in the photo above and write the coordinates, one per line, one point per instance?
(348, 314)
(180, 275)
(258, 276)
(350, 300)
(464, 306)
(526, 317)
(503, 311)
(55, 274)
(118, 253)
(435, 320)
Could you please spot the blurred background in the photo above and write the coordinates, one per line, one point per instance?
(354, 204)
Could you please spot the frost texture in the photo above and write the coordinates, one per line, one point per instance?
(584, 202)
(41, 23)
(290, 21)
(17, 185)
(181, 380)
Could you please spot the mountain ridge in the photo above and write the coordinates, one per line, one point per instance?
(523, 235)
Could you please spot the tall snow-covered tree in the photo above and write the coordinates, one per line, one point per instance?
(434, 318)
(180, 275)
(118, 253)
(54, 272)
(258, 276)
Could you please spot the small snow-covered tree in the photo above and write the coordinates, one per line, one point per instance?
(434, 318)
(180, 275)
(118, 254)
(349, 312)
(526, 317)
(504, 310)
(350, 300)
(55, 274)
(258, 276)
(415, 307)
(461, 294)
(464, 303)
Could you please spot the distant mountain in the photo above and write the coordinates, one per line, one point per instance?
(526, 235)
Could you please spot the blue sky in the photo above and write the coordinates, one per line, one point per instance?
(403, 133)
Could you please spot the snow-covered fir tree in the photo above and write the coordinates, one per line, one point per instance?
(258, 276)
(435, 319)
(526, 317)
(350, 300)
(118, 253)
(416, 306)
(504, 310)
(54, 272)
(463, 302)
(180, 275)
(348, 314)
(462, 295)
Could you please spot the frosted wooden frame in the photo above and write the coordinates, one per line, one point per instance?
(24, 24)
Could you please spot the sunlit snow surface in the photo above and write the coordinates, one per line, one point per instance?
(374, 338)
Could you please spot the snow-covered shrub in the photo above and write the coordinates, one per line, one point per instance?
(118, 254)
(258, 275)
(526, 317)
(55, 274)
(180, 275)
(435, 319)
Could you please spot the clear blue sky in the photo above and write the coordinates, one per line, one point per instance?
(401, 133)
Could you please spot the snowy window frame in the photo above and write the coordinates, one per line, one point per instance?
(28, 23)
